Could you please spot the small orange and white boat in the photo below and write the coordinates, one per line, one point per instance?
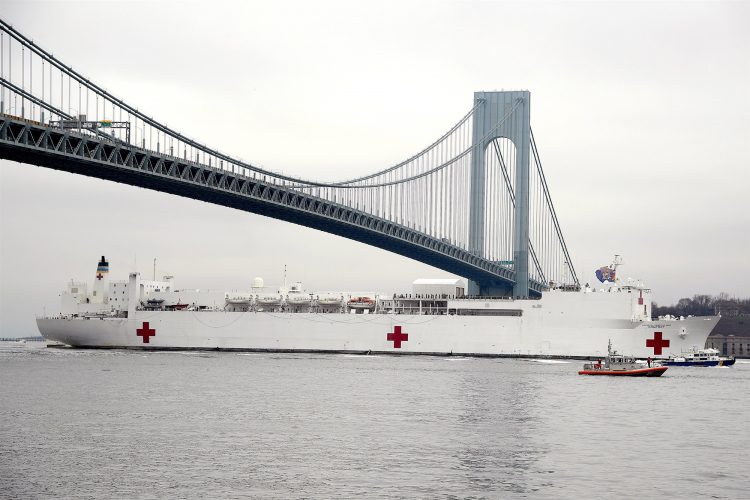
(622, 366)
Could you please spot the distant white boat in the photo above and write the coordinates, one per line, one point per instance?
(699, 357)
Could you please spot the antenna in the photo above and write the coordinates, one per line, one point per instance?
(284, 275)
(154, 268)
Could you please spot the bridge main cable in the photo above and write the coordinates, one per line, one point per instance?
(346, 185)
(428, 195)
(190, 142)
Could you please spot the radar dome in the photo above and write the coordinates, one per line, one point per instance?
(258, 283)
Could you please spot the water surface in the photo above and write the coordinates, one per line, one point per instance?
(117, 424)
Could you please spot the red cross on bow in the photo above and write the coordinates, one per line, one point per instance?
(397, 337)
(99, 276)
(145, 332)
(657, 342)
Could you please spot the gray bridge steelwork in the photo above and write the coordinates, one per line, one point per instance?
(469, 204)
(33, 143)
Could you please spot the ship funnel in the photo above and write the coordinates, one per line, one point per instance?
(100, 281)
(102, 268)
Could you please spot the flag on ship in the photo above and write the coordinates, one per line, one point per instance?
(605, 274)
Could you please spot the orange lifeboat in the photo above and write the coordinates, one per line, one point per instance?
(361, 303)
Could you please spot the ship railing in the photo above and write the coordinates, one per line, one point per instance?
(416, 310)
(486, 297)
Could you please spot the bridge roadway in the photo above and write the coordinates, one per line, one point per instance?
(67, 150)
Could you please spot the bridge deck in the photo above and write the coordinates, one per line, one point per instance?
(95, 156)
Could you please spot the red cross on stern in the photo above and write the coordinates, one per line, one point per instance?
(657, 342)
(397, 337)
(99, 276)
(145, 332)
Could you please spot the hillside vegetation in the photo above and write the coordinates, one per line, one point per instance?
(704, 305)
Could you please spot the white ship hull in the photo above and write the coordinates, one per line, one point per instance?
(436, 319)
(362, 333)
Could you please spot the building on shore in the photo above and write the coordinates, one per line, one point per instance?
(732, 334)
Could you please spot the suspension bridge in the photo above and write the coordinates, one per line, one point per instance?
(474, 203)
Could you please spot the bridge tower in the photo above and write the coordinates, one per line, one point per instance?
(505, 114)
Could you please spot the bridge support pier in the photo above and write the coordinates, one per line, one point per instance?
(489, 289)
(501, 115)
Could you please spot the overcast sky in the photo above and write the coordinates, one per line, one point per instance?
(641, 111)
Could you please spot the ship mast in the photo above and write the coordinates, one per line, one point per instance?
(616, 262)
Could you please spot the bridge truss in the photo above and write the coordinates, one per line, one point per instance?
(474, 203)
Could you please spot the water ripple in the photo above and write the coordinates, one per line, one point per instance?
(94, 424)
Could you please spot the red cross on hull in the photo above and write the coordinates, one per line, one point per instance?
(145, 332)
(657, 343)
(397, 337)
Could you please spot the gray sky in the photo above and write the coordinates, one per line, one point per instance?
(641, 111)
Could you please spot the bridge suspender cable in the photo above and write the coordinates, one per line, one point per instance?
(512, 196)
(552, 209)
(176, 135)
(427, 196)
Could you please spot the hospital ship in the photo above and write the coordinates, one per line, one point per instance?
(434, 318)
